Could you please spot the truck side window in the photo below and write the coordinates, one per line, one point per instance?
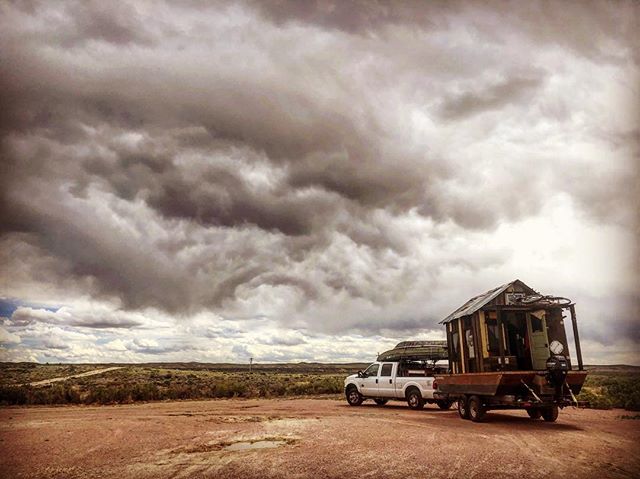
(386, 370)
(372, 370)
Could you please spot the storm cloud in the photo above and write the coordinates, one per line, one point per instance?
(333, 168)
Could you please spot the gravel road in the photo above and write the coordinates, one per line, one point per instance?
(299, 438)
(46, 382)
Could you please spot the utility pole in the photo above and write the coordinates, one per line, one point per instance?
(250, 364)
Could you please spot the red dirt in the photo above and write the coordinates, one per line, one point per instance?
(320, 438)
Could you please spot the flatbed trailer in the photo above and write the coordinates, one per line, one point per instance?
(508, 350)
(478, 393)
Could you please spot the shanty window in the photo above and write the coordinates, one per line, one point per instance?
(494, 337)
(536, 324)
(455, 340)
(469, 339)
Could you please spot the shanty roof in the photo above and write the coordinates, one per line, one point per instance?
(477, 302)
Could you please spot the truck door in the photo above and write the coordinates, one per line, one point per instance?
(369, 383)
(538, 340)
(386, 386)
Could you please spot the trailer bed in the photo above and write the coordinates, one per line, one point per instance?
(500, 382)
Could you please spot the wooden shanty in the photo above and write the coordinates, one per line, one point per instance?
(509, 328)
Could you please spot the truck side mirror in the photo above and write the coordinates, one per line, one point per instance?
(360, 374)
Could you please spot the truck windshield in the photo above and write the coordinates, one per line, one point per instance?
(372, 370)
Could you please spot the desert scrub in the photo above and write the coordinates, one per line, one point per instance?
(595, 400)
(612, 391)
(134, 383)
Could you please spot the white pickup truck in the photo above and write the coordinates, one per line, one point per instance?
(394, 380)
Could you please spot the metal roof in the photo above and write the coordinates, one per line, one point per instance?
(477, 302)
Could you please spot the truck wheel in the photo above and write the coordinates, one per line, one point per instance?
(443, 404)
(476, 409)
(414, 399)
(381, 402)
(534, 413)
(463, 407)
(550, 414)
(354, 398)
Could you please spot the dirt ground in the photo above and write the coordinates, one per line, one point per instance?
(299, 438)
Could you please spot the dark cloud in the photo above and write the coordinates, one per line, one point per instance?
(288, 340)
(591, 22)
(269, 159)
(493, 97)
(354, 17)
(24, 316)
(120, 24)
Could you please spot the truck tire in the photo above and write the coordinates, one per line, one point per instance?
(381, 402)
(463, 407)
(550, 414)
(354, 398)
(414, 398)
(477, 410)
(444, 404)
(534, 413)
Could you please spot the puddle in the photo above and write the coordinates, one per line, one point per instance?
(268, 442)
(246, 445)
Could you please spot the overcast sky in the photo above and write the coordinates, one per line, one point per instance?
(199, 181)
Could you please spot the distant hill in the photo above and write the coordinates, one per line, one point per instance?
(300, 367)
(612, 368)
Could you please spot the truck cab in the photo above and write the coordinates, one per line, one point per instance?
(411, 381)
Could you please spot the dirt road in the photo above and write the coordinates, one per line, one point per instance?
(299, 438)
(45, 382)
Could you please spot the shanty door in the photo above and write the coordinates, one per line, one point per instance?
(538, 340)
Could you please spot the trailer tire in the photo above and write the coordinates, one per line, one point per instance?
(381, 402)
(414, 398)
(477, 410)
(354, 398)
(463, 407)
(550, 414)
(534, 413)
(444, 404)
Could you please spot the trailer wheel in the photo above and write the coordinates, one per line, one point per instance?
(354, 398)
(414, 399)
(534, 413)
(476, 409)
(463, 407)
(381, 402)
(550, 414)
(444, 404)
